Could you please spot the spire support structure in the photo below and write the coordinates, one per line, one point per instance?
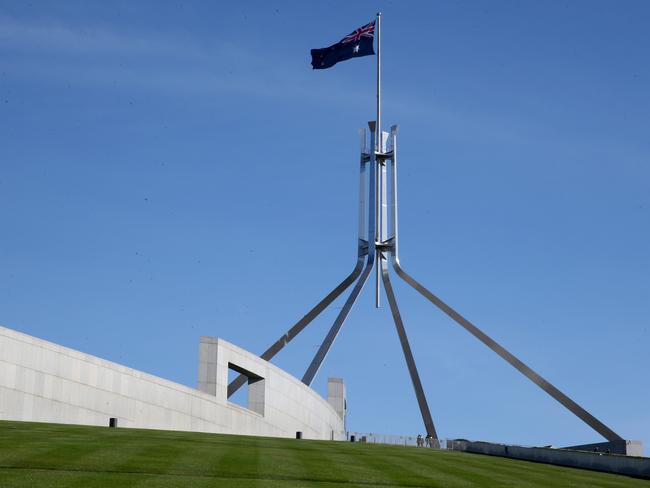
(377, 244)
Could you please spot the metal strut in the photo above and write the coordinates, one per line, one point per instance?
(406, 348)
(325, 346)
(536, 378)
(238, 382)
(362, 251)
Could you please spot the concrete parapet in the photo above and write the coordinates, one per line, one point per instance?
(45, 382)
(627, 448)
(610, 463)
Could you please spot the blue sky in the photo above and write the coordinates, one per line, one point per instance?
(171, 170)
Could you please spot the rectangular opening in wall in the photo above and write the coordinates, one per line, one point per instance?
(240, 397)
(251, 393)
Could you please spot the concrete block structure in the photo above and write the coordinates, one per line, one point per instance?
(625, 447)
(336, 396)
(45, 382)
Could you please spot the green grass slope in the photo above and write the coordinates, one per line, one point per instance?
(50, 455)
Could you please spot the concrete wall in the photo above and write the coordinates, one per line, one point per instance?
(611, 463)
(628, 448)
(44, 382)
(336, 396)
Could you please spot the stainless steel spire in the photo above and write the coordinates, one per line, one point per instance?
(376, 244)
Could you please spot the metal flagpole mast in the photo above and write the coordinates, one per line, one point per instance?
(378, 126)
(378, 148)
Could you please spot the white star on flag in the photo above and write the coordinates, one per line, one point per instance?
(355, 49)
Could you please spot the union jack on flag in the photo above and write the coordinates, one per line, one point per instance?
(358, 43)
(367, 30)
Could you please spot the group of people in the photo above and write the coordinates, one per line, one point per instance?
(427, 441)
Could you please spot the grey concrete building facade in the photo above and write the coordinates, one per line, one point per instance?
(45, 382)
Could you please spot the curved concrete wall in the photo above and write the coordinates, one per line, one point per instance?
(44, 382)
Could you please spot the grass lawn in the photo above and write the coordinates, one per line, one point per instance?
(51, 455)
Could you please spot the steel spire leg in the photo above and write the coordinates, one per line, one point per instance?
(406, 348)
(238, 382)
(324, 348)
(572, 406)
(366, 155)
(338, 323)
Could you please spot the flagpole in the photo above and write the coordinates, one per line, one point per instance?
(378, 127)
(378, 148)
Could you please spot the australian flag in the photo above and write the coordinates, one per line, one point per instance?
(358, 43)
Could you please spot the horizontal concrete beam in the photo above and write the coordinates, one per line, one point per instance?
(611, 463)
